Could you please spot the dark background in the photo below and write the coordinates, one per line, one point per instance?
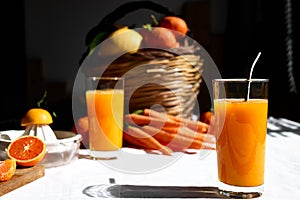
(251, 26)
(13, 61)
(255, 26)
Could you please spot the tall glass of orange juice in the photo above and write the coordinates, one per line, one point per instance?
(241, 113)
(105, 108)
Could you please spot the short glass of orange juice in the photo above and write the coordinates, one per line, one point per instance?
(105, 108)
(241, 113)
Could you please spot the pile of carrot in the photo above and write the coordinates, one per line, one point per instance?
(166, 133)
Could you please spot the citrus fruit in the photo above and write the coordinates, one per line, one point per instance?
(121, 41)
(36, 116)
(82, 127)
(7, 169)
(176, 24)
(27, 150)
(158, 37)
(206, 117)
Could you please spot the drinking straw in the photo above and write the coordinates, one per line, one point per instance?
(250, 75)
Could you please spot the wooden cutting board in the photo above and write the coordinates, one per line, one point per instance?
(22, 177)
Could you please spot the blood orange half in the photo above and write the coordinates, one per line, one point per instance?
(27, 150)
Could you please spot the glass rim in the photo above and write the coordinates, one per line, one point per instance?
(240, 80)
(105, 78)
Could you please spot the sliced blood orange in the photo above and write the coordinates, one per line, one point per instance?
(27, 150)
(7, 169)
(36, 116)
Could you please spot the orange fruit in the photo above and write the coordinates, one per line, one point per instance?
(27, 150)
(82, 125)
(36, 116)
(7, 169)
(176, 24)
(206, 117)
(158, 37)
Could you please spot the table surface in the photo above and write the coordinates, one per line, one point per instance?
(282, 170)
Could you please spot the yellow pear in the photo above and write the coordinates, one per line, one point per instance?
(121, 41)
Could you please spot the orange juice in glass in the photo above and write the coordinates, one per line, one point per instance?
(241, 127)
(105, 107)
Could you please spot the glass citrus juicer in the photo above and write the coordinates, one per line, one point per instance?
(37, 123)
(62, 146)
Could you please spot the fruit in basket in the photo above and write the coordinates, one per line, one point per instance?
(158, 37)
(36, 116)
(121, 41)
(7, 169)
(175, 23)
(27, 150)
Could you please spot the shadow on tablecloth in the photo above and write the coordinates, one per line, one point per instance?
(282, 127)
(143, 191)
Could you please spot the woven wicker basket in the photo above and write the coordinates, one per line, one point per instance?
(154, 77)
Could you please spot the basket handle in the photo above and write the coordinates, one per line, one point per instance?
(120, 12)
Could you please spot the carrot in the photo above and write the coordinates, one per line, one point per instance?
(187, 132)
(198, 126)
(167, 125)
(136, 119)
(141, 120)
(166, 138)
(176, 147)
(138, 137)
(131, 141)
(208, 146)
(156, 114)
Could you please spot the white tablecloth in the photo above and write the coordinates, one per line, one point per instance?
(282, 174)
